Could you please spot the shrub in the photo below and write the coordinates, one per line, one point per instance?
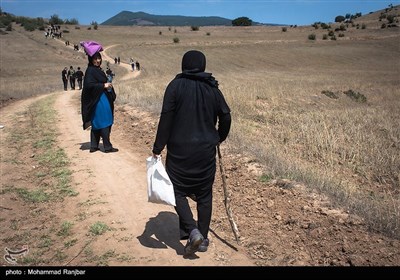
(29, 26)
(330, 94)
(390, 18)
(6, 19)
(98, 228)
(284, 29)
(325, 26)
(194, 28)
(312, 36)
(356, 96)
(176, 40)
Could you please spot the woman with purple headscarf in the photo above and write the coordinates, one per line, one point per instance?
(97, 100)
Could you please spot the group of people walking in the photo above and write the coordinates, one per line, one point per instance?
(194, 120)
(134, 64)
(72, 76)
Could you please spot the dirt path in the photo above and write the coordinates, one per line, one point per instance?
(130, 74)
(113, 189)
(120, 180)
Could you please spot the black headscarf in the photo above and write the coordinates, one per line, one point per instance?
(193, 67)
(193, 61)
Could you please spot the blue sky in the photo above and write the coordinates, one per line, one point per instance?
(300, 12)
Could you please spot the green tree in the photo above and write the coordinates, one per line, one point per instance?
(242, 21)
(55, 19)
(72, 21)
(5, 20)
(339, 18)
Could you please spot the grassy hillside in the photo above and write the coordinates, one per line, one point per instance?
(126, 18)
(324, 112)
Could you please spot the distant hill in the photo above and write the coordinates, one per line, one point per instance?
(126, 18)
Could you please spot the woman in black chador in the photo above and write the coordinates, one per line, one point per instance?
(192, 107)
(97, 103)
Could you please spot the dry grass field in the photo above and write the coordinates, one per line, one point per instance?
(324, 114)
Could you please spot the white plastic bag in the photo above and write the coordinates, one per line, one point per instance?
(159, 187)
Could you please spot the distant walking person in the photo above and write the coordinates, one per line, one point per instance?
(132, 62)
(97, 100)
(192, 107)
(79, 76)
(64, 77)
(110, 74)
(71, 76)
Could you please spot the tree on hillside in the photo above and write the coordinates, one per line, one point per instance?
(72, 21)
(55, 20)
(95, 25)
(339, 18)
(242, 21)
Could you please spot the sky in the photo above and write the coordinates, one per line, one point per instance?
(291, 12)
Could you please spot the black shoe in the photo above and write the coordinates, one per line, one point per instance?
(194, 241)
(112, 150)
(204, 245)
(92, 150)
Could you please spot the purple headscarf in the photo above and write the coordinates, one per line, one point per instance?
(91, 47)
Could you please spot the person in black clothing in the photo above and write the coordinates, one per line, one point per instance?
(192, 107)
(64, 77)
(71, 76)
(110, 75)
(79, 76)
(97, 105)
